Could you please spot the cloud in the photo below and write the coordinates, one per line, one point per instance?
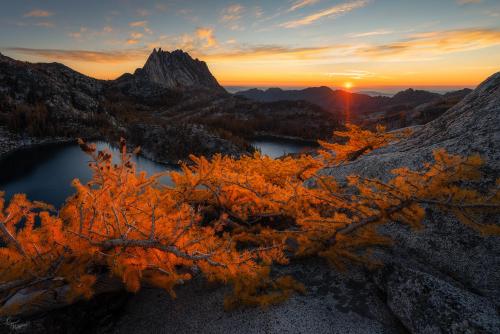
(467, 2)
(334, 11)
(250, 53)
(142, 24)
(201, 39)
(371, 33)
(184, 11)
(136, 35)
(271, 53)
(353, 74)
(206, 34)
(38, 13)
(78, 34)
(104, 57)
(301, 3)
(138, 24)
(161, 7)
(86, 33)
(258, 12)
(142, 12)
(45, 24)
(231, 15)
(435, 43)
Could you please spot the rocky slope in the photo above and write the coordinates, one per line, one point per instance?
(59, 99)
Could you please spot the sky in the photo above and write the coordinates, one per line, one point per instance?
(361, 44)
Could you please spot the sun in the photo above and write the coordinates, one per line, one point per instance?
(348, 85)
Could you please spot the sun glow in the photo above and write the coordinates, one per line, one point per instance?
(348, 85)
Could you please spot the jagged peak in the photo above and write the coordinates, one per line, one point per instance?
(177, 70)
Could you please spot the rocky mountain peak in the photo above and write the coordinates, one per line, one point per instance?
(177, 70)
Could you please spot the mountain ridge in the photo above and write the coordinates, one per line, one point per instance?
(404, 108)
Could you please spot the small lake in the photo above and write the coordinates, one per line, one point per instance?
(45, 172)
(276, 148)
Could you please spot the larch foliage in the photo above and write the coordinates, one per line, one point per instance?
(227, 219)
(358, 142)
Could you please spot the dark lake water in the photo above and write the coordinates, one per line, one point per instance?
(276, 148)
(45, 172)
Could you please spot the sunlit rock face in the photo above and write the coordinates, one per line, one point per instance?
(177, 70)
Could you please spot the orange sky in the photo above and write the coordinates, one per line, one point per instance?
(268, 43)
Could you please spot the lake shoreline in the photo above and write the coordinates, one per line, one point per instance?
(11, 142)
(291, 139)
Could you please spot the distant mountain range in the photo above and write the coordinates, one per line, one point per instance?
(409, 106)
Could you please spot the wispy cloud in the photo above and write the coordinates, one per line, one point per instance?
(203, 44)
(141, 24)
(136, 35)
(138, 24)
(371, 33)
(467, 2)
(161, 7)
(271, 53)
(38, 13)
(87, 33)
(435, 43)
(231, 15)
(206, 34)
(259, 12)
(301, 3)
(334, 11)
(45, 24)
(142, 12)
(106, 57)
(78, 34)
(353, 74)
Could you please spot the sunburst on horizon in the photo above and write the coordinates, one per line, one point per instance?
(348, 85)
